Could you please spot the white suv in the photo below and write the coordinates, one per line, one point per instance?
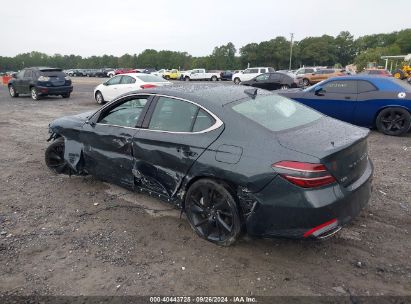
(250, 73)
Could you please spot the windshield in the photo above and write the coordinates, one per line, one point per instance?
(150, 78)
(276, 113)
(312, 88)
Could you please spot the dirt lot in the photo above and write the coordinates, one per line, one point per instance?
(56, 240)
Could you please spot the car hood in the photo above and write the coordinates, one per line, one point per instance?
(71, 121)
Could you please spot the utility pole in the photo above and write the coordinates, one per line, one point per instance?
(291, 50)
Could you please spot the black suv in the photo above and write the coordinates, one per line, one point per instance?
(40, 81)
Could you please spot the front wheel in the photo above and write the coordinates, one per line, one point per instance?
(100, 98)
(212, 212)
(306, 82)
(187, 78)
(34, 94)
(12, 91)
(237, 80)
(54, 157)
(399, 74)
(393, 121)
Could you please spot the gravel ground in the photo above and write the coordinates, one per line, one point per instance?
(81, 236)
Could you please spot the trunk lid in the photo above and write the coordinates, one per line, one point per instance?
(340, 146)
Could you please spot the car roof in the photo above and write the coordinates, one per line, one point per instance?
(382, 82)
(211, 96)
(45, 69)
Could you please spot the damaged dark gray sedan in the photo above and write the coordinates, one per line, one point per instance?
(233, 159)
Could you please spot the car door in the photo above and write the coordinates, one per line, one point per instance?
(107, 140)
(18, 82)
(261, 81)
(112, 87)
(367, 104)
(25, 82)
(338, 98)
(174, 135)
(275, 81)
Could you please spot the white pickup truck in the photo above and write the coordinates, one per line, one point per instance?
(200, 74)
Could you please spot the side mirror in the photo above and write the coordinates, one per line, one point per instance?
(319, 91)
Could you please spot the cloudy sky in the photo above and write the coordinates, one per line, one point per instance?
(97, 27)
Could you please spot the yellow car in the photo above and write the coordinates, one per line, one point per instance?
(172, 74)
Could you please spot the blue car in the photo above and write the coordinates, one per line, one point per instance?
(369, 101)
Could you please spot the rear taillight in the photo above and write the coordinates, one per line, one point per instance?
(147, 86)
(305, 175)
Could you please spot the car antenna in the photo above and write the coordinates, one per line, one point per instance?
(251, 92)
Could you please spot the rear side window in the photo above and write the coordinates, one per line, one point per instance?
(276, 113)
(151, 78)
(28, 73)
(341, 86)
(365, 86)
(203, 121)
(173, 115)
(275, 77)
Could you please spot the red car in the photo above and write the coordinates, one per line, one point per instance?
(377, 72)
(123, 71)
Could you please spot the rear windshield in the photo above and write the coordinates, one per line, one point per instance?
(276, 113)
(53, 73)
(150, 78)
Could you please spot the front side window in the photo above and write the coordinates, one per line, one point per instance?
(125, 114)
(341, 86)
(127, 80)
(173, 115)
(262, 77)
(276, 113)
(114, 80)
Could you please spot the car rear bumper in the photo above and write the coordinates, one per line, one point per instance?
(281, 211)
(54, 90)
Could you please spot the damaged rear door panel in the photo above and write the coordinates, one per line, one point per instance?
(176, 133)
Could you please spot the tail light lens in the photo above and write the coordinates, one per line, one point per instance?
(305, 175)
(147, 86)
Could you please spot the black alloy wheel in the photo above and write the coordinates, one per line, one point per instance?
(54, 157)
(393, 121)
(212, 212)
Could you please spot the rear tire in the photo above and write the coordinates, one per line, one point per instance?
(214, 78)
(306, 82)
(187, 78)
(99, 98)
(284, 87)
(167, 77)
(393, 121)
(12, 91)
(34, 94)
(66, 95)
(212, 212)
(54, 157)
(399, 74)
